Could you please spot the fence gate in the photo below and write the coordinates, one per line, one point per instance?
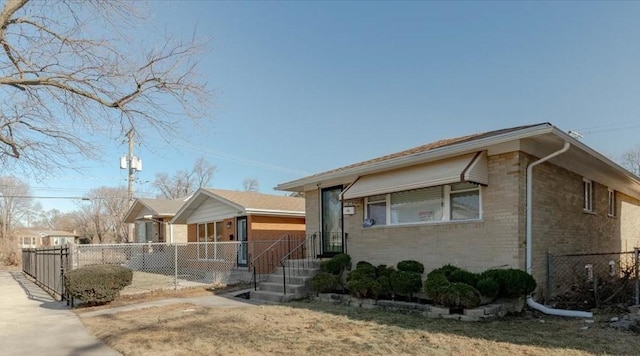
(47, 265)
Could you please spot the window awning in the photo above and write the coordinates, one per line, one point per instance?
(467, 168)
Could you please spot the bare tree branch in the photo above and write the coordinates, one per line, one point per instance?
(183, 182)
(63, 81)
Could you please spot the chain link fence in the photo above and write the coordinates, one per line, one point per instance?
(585, 281)
(166, 265)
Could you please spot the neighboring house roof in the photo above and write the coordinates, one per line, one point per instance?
(538, 140)
(44, 233)
(244, 202)
(159, 208)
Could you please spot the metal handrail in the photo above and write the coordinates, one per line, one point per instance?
(286, 258)
(268, 259)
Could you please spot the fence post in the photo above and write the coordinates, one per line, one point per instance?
(636, 289)
(549, 275)
(175, 266)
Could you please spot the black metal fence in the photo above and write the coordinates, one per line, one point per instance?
(47, 265)
(593, 279)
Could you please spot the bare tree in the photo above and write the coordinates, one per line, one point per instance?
(68, 71)
(184, 182)
(101, 220)
(14, 203)
(631, 160)
(251, 185)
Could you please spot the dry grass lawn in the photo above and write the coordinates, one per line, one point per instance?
(309, 328)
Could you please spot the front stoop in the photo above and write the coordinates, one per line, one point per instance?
(297, 287)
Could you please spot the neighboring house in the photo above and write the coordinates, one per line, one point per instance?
(254, 220)
(152, 219)
(464, 201)
(32, 238)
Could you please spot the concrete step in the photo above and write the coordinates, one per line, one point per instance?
(277, 287)
(298, 272)
(274, 297)
(278, 278)
(303, 263)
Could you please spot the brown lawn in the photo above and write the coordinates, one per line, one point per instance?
(310, 328)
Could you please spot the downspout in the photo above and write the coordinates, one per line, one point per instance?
(529, 247)
(171, 232)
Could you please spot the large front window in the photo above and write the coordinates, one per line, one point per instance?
(454, 202)
(208, 236)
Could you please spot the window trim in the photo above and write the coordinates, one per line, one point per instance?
(206, 241)
(611, 202)
(446, 213)
(587, 195)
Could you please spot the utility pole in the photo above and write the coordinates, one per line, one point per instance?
(133, 164)
(132, 170)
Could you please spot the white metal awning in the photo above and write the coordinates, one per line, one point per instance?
(466, 168)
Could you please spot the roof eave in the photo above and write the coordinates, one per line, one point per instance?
(420, 157)
(295, 213)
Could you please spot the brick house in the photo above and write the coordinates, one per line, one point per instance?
(464, 201)
(254, 220)
(152, 219)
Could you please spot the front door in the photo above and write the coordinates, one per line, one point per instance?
(241, 227)
(331, 221)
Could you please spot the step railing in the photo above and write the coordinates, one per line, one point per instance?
(267, 261)
(300, 259)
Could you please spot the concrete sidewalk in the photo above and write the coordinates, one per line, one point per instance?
(33, 323)
(223, 300)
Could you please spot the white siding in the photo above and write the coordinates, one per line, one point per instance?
(211, 210)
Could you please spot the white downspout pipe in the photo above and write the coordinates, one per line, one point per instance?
(529, 247)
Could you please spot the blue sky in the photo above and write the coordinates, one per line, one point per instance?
(303, 87)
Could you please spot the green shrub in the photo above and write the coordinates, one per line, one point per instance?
(97, 284)
(411, 266)
(434, 282)
(488, 287)
(405, 283)
(457, 295)
(383, 274)
(446, 270)
(463, 276)
(364, 264)
(337, 264)
(513, 282)
(364, 286)
(363, 272)
(324, 282)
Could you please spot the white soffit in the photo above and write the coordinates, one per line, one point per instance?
(470, 167)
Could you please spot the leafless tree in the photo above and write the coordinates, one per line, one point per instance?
(101, 219)
(69, 73)
(14, 203)
(251, 185)
(631, 160)
(184, 182)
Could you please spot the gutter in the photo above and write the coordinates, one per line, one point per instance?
(530, 302)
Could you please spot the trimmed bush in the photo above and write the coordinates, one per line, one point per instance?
(434, 282)
(411, 266)
(405, 283)
(363, 264)
(364, 286)
(97, 284)
(324, 282)
(458, 295)
(488, 287)
(337, 264)
(513, 282)
(384, 279)
(463, 276)
(446, 270)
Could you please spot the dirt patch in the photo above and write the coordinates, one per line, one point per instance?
(315, 328)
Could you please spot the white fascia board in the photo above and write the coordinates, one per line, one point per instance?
(423, 157)
(274, 212)
(597, 155)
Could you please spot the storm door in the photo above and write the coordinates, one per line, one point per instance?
(331, 221)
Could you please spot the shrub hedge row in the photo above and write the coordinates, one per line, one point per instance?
(448, 285)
